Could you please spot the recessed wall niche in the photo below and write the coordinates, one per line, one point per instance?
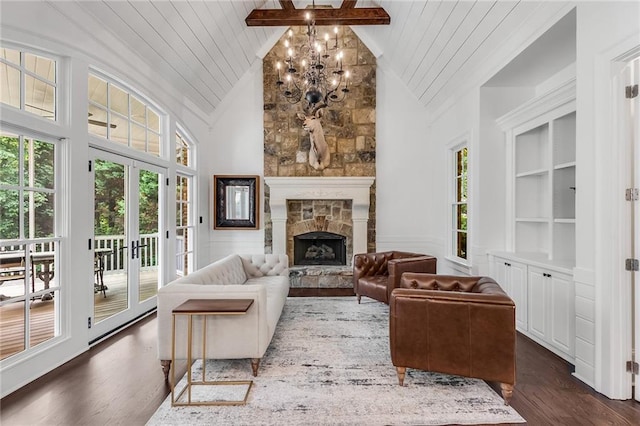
(349, 127)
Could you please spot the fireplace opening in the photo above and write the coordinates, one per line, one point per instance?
(319, 248)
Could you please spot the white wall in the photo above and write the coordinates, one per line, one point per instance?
(404, 208)
(457, 123)
(236, 147)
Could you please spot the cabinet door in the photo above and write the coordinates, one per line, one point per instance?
(537, 303)
(562, 312)
(500, 274)
(518, 279)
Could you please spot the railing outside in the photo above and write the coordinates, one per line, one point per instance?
(179, 254)
(115, 260)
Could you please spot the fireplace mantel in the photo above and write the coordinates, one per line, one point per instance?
(282, 189)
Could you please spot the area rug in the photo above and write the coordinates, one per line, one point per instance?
(329, 363)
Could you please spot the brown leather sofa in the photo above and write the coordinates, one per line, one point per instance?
(375, 275)
(454, 325)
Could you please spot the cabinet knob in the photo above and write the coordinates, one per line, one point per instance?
(507, 264)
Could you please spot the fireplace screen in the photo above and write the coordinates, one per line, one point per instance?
(319, 248)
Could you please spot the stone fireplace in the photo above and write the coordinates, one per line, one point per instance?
(335, 205)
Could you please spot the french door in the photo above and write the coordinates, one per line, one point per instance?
(127, 242)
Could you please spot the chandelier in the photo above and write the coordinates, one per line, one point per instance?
(308, 73)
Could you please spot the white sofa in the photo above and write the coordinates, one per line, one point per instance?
(263, 278)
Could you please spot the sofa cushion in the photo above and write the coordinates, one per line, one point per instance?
(260, 265)
(228, 270)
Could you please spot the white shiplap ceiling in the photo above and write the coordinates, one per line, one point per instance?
(203, 47)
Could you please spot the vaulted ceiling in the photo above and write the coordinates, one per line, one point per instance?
(203, 47)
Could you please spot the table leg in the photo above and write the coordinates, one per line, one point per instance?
(46, 275)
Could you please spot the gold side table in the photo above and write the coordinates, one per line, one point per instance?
(204, 308)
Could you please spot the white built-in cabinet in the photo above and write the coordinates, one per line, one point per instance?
(512, 276)
(536, 269)
(544, 296)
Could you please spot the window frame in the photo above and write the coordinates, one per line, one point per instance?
(452, 246)
(56, 83)
(131, 93)
(55, 241)
(189, 172)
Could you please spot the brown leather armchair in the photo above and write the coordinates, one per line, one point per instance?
(454, 325)
(375, 275)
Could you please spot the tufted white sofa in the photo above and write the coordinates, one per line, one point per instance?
(263, 278)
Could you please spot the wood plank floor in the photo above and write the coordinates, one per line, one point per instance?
(41, 312)
(119, 382)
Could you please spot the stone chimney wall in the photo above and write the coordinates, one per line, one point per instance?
(349, 127)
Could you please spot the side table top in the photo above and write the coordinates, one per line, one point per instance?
(222, 306)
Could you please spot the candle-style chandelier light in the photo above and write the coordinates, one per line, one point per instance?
(314, 72)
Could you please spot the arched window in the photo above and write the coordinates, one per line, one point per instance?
(122, 117)
(28, 82)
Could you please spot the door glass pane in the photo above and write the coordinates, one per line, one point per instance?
(149, 245)
(111, 288)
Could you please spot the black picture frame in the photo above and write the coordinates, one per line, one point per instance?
(223, 185)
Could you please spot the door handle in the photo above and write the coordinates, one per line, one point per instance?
(133, 250)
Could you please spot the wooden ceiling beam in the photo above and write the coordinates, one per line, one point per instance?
(344, 16)
(287, 5)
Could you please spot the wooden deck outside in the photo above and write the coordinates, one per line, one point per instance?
(12, 327)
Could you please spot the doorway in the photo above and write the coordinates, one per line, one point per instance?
(126, 244)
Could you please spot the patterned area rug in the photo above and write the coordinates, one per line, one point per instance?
(329, 363)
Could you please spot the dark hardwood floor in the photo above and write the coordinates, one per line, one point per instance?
(119, 382)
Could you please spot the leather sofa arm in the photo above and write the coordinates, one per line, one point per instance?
(398, 266)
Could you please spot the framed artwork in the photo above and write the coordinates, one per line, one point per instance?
(236, 202)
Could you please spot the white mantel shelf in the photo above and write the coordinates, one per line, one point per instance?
(354, 188)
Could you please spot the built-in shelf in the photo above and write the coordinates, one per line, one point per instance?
(564, 165)
(541, 155)
(532, 219)
(570, 220)
(539, 172)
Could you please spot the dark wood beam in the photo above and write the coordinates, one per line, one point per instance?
(348, 16)
(348, 4)
(287, 5)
